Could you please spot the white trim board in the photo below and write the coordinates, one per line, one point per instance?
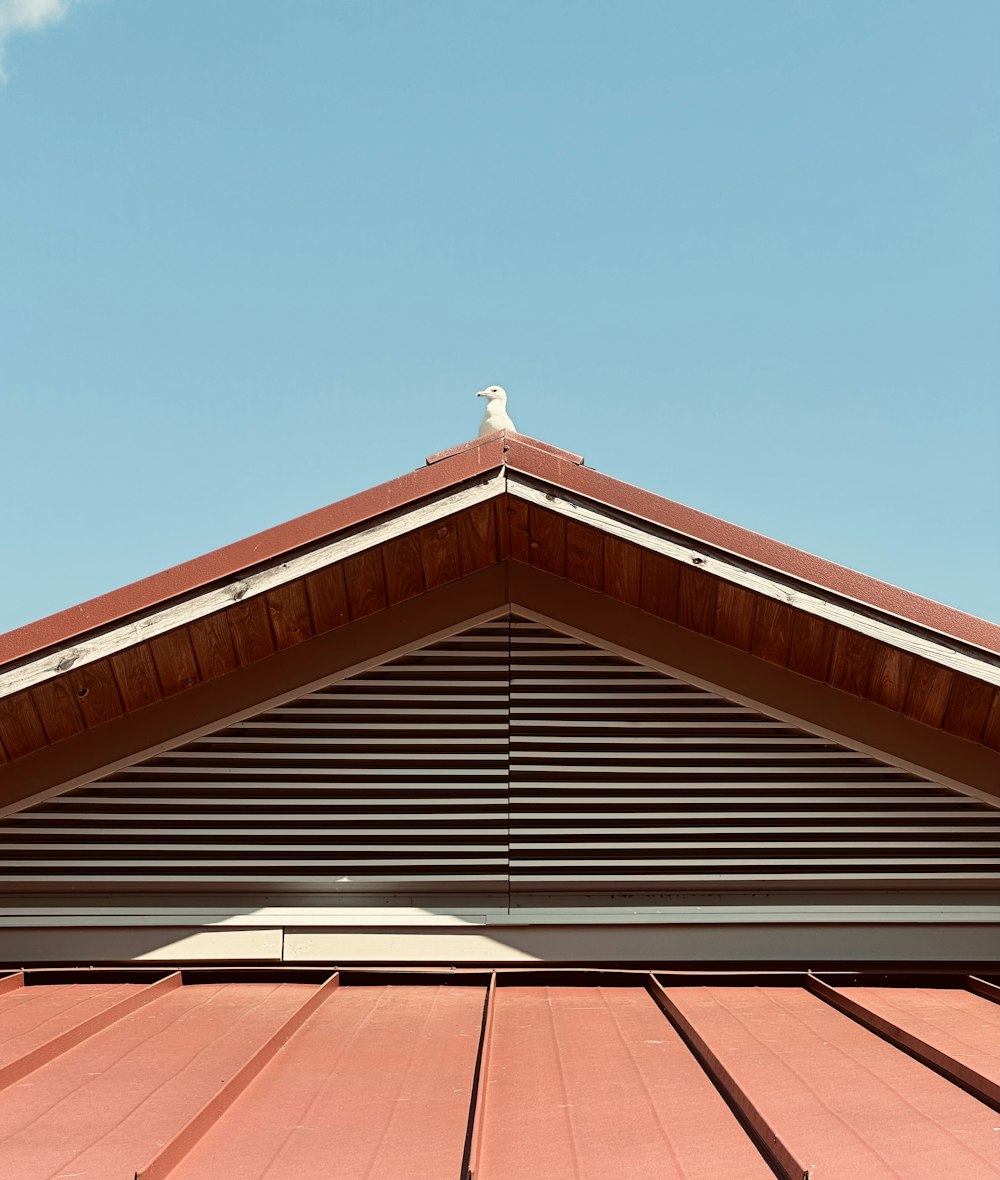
(330, 919)
(793, 592)
(886, 629)
(115, 639)
(258, 707)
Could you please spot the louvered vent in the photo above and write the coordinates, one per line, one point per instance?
(624, 779)
(510, 756)
(391, 780)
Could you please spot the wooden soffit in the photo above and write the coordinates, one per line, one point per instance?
(472, 539)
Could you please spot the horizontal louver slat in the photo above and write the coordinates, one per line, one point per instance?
(510, 756)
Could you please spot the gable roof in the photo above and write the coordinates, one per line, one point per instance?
(448, 471)
(502, 500)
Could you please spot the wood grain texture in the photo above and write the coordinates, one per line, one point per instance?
(176, 666)
(697, 593)
(57, 707)
(250, 625)
(21, 729)
(520, 539)
(772, 632)
(622, 570)
(735, 615)
(326, 591)
(477, 537)
(991, 731)
(96, 692)
(404, 568)
(365, 578)
(289, 610)
(547, 543)
(501, 517)
(851, 661)
(812, 645)
(890, 676)
(584, 555)
(439, 551)
(968, 707)
(930, 687)
(135, 674)
(212, 640)
(659, 581)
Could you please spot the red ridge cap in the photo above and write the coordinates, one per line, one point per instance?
(503, 435)
(753, 547)
(231, 560)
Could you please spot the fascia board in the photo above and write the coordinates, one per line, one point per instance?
(87, 650)
(801, 595)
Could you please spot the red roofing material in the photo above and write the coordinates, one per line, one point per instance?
(844, 1102)
(524, 457)
(448, 470)
(377, 1084)
(259, 549)
(593, 1082)
(31, 1017)
(106, 1106)
(571, 1075)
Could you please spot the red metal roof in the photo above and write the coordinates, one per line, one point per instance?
(242, 1075)
(449, 469)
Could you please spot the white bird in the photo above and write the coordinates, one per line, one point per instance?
(496, 416)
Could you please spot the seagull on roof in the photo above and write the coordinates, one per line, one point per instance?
(496, 416)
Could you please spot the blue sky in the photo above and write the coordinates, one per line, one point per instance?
(255, 257)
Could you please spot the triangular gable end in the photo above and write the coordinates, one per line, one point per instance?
(687, 743)
(516, 763)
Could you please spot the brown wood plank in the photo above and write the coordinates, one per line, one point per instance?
(404, 568)
(135, 673)
(697, 594)
(57, 706)
(991, 731)
(365, 580)
(968, 707)
(212, 640)
(327, 594)
(3, 754)
(477, 537)
(439, 550)
(501, 514)
(851, 661)
(930, 687)
(622, 570)
(547, 544)
(176, 666)
(250, 625)
(812, 645)
(772, 631)
(890, 676)
(289, 611)
(520, 540)
(659, 583)
(735, 614)
(21, 728)
(584, 555)
(96, 692)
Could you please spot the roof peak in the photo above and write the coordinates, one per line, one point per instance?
(503, 435)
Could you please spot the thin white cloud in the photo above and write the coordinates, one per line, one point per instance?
(26, 16)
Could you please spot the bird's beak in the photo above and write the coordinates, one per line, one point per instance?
(481, 393)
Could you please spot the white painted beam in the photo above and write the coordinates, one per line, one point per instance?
(793, 592)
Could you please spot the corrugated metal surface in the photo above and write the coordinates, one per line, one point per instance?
(518, 1076)
(623, 778)
(508, 757)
